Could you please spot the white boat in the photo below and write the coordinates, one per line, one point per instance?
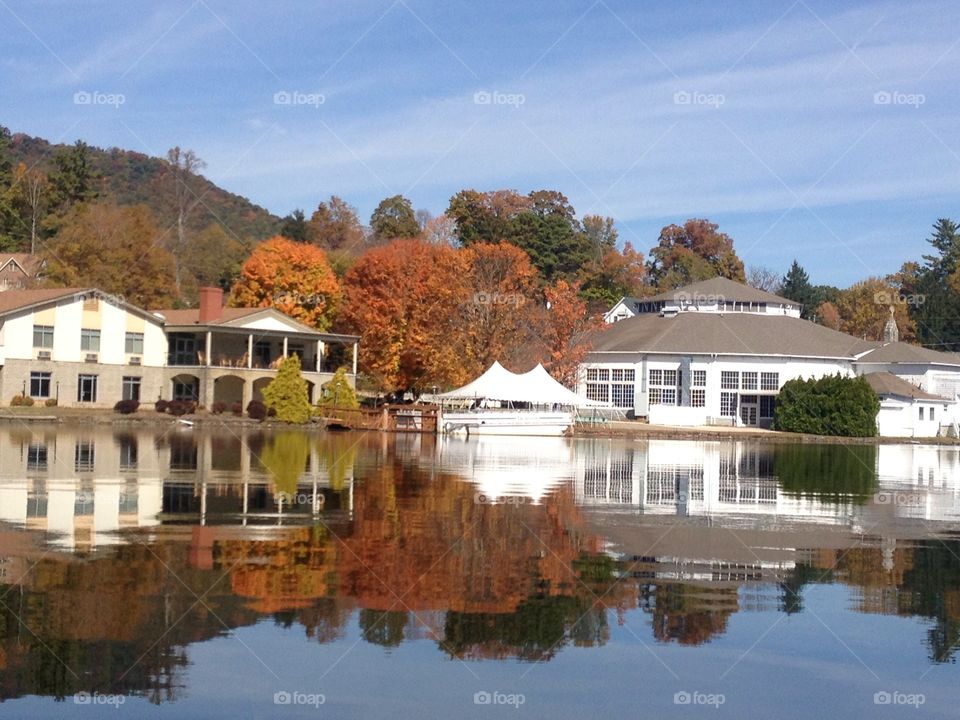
(500, 402)
(506, 421)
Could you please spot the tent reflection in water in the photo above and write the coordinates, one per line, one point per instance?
(500, 402)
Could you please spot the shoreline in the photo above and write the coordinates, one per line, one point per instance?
(610, 430)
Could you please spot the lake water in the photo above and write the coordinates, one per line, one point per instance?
(197, 574)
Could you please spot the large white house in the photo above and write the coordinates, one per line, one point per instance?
(717, 353)
(83, 347)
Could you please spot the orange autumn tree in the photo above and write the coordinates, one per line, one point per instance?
(567, 331)
(295, 278)
(401, 299)
(497, 317)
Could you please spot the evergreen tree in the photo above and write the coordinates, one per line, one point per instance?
(287, 393)
(294, 226)
(938, 315)
(796, 286)
(338, 393)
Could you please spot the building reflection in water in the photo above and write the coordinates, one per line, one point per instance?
(489, 549)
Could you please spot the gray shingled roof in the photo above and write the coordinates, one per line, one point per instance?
(728, 334)
(884, 383)
(899, 352)
(724, 289)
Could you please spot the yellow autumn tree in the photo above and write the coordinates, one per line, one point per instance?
(864, 309)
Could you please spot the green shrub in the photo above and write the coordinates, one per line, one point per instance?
(161, 405)
(218, 408)
(21, 401)
(287, 393)
(50, 402)
(338, 393)
(237, 409)
(831, 405)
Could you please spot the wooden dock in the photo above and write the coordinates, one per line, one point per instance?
(388, 418)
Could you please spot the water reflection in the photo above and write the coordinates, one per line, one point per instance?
(488, 550)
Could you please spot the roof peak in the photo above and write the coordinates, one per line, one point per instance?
(719, 289)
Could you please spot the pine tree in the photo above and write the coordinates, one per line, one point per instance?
(287, 393)
(796, 286)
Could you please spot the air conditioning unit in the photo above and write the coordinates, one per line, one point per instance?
(135, 360)
(91, 357)
(43, 355)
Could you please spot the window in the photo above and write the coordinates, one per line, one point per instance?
(90, 340)
(598, 391)
(749, 381)
(699, 378)
(611, 385)
(83, 456)
(698, 398)
(769, 381)
(185, 390)
(664, 387)
(921, 413)
(728, 404)
(37, 457)
(133, 343)
(43, 336)
(131, 388)
(622, 395)
(729, 380)
(931, 413)
(40, 384)
(768, 403)
(87, 388)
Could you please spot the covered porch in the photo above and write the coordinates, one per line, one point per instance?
(234, 365)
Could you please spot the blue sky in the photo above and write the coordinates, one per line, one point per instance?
(822, 131)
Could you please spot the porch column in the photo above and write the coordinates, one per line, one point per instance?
(355, 358)
(208, 349)
(246, 395)
(249, 352)
(319, 354)
(284, 346)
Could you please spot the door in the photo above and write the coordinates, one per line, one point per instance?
(749, 410)
(87, 388)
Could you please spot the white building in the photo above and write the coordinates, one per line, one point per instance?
(718, 352)
(85, 348)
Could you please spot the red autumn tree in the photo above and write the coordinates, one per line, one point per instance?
(401, 299)
(497, 317)
(567, 331)
(295, 278)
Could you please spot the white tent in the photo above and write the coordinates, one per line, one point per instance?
(535, 386)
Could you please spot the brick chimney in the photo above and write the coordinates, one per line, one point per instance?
(211, 304)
